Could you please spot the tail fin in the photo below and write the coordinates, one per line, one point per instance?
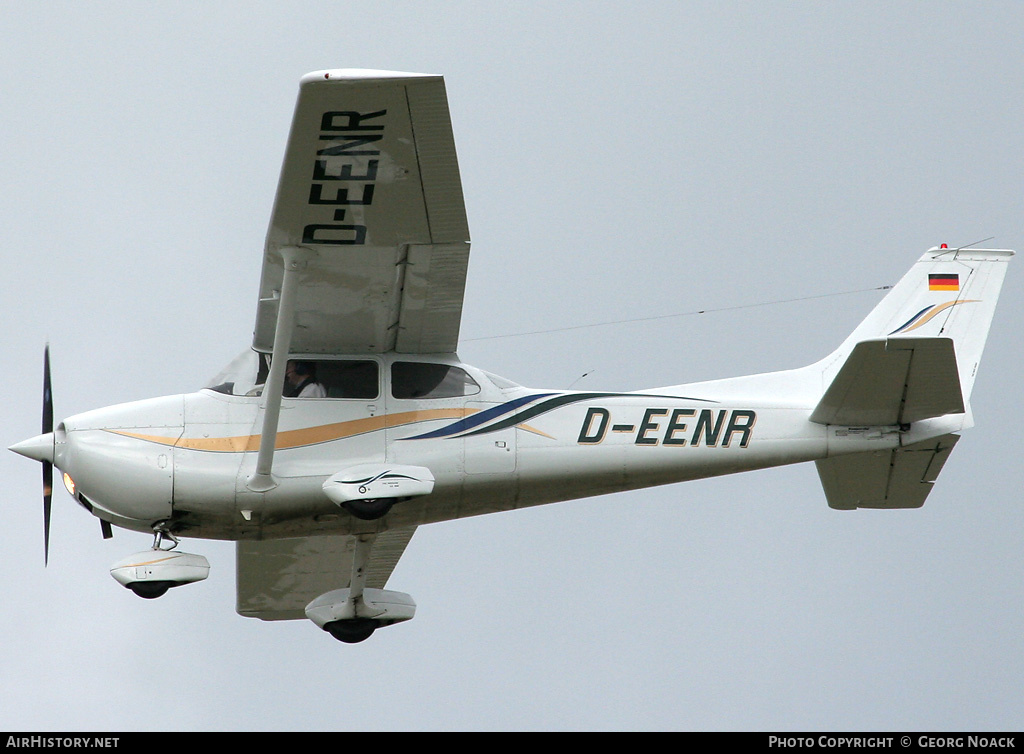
(948, 293)
(913, 358)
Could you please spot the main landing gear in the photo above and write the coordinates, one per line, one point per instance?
(352, 615)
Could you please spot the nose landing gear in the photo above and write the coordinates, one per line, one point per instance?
(150, 573)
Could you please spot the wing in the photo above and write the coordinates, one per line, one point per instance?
(277, 578)
(370, 183)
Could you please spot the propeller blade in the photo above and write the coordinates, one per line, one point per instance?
(47, 393)
(47, 497)
(47, 466)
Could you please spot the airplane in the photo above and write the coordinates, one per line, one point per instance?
(351, 421)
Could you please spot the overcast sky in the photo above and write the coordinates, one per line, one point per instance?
(619, 161)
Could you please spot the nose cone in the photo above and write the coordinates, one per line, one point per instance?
(39, 448)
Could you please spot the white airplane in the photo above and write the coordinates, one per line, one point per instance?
(351, 421)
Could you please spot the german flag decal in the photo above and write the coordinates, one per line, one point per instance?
(944, 281)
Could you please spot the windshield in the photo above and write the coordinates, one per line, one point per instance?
(502, 382)
(242, 376)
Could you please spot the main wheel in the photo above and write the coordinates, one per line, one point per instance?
(351, 631)
(369, 510)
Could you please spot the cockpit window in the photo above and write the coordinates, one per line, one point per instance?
(247, 374)
(414, 379)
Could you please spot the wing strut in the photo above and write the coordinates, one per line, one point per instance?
(360, 562)
(295, 258)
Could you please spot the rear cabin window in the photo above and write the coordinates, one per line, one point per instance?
(349, 379)
(413, 379)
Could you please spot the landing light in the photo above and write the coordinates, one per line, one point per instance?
(69, 484)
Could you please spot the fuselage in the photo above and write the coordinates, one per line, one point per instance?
(491, 445)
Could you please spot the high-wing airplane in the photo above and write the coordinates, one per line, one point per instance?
(351, 421)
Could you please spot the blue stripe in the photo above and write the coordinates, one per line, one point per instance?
(912, 320)
(480, 418)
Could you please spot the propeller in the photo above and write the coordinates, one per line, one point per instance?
(47, 465)
(43, 449)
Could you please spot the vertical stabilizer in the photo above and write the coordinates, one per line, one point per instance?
(948, 293)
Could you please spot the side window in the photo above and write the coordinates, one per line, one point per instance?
(304, 378)
(349, 379)
(412, 379)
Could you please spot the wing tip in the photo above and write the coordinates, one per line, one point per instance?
(968, 253)
(360, 74)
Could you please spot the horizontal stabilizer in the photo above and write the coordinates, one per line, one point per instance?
(888, 381)
(900, 478)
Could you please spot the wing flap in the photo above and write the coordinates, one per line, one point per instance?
(891, 381)
(888, 479)
(277, 578)
(435, 281)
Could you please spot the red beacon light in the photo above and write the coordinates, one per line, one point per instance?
(943, 246)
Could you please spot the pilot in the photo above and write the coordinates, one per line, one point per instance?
(300, 381)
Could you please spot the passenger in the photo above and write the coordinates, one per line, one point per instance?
(300, 381)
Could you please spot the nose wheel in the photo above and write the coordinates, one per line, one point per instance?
(150, 590)
(150, 573)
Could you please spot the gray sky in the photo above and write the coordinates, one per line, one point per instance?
(619, 161)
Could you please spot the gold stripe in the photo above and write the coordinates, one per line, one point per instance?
(150, 562)
(296, 438)
(535, 431)
(926, 319)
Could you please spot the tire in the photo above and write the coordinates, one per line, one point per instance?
(150, 590)
(351, 631)
(369, 510)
